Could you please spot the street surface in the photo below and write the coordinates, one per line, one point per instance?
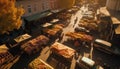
(74, 22)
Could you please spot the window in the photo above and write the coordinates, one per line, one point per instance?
(35, 9)
(43, 7)
(29, 9)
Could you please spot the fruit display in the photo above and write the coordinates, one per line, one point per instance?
(22, 38)
(89, 24)
(64, 16)
(62, 50)
(35, 44)
(5, 55)
(39, 64)
(59, 26)
(54, 30)
(46, 25)
(87, 63)
(51, 31)
(82, 36)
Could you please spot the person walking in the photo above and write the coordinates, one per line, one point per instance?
(75, 21)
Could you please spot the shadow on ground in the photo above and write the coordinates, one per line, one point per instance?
(24, 61)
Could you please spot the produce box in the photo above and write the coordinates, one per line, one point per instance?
(39, 64)
(34, 45)
(5, 55)
(62, 50)
(22, 38)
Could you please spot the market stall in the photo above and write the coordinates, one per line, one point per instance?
(5, 55)
(63, 16)
(18, 40)
(39, 64)
(106, 47)
(54, 21)
(59, 26)
(46, 25)
(22, 38)
(80, 36)
(34, 45)
(91, 25)
(53, 32)
(87, 63)
(63, 50)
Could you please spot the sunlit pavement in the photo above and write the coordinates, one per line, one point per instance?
(74, 22)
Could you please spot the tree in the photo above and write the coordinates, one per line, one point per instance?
(66, 3)
(10, 16)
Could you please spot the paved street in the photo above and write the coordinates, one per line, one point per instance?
(74, 22)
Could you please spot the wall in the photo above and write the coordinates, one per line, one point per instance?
(63, 4)
(53, 4)
(33, 6)
(113, 5)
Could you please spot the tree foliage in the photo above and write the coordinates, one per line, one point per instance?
(66, 3)
(10, 16)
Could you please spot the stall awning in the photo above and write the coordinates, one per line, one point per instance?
(104, 11)
(117, 30)
(115, 20)
(38, 15)
(22, 38)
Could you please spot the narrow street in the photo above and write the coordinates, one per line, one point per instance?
(74, 22)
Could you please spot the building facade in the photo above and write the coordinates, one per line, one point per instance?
(65, 4)
(113, 5)
(102, 3)
(36, 12)
(36, 6)
(53, 4)
(30, 6)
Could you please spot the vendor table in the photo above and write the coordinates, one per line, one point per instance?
(63, 50)
(22, 38)
(39, 64)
